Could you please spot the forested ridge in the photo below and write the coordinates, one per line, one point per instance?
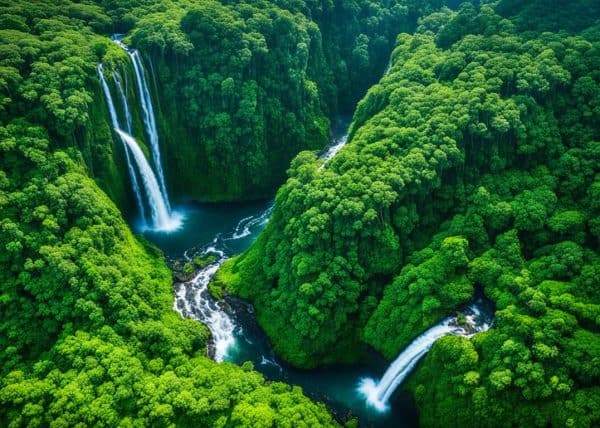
(88, 336)
(472, 166)
(247, 84)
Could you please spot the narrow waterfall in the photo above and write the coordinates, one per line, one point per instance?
(162, 220)
(134, 182)
(115, 123)
(119, 85)
(377, 394)
(114, 119)
(148, 116)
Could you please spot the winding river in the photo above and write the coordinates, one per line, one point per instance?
(224, 230)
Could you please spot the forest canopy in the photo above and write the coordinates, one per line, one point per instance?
(472, 167)
(88, 336)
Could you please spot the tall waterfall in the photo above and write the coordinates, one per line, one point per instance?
(134, 182)
(159, 211)
(147, 114)
(161, 217)
(115, 123)
(378, 394)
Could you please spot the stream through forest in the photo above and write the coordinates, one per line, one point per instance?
(220, 231)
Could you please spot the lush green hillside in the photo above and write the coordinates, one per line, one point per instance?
(243, 86)
(473, 165)
(88, 336)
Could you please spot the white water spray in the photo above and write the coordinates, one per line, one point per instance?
(148, 115)
(162, 220)
(333, 149)
(194, 300)
(377, 394)
(134, 182)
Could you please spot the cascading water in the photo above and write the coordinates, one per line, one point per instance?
(147, 114)
(378, 394)
(134, 182)
(340, 130)
(119, 85)
(162, 220)
(333, 149)
(115, 123)
(114, 119)
(193, 298)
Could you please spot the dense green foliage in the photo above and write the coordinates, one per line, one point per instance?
(474, 164)
(243, 86)
(88, 336)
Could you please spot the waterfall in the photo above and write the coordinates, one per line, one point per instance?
(161, 219)
(134, 182)
(377, 394)
(114, 119)
(149, 118)
(158, 201)
(115, 123)
(119, 85)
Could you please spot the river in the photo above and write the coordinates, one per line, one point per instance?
(224, 230)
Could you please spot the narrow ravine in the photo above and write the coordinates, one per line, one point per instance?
(227, 230)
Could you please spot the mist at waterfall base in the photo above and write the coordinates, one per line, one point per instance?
(334, 385)
(201, 223)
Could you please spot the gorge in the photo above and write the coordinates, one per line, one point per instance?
(296, 213)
